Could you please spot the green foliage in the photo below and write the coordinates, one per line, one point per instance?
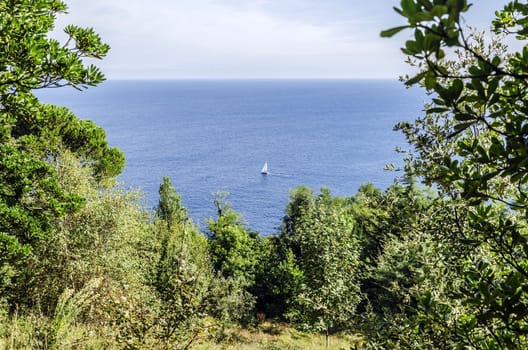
(100, 239)
(368, 207)
(320, 255)
(425, 259)
(477, 103)
(184, 276)
(95, 257)
(30, 199)
(185, 287)
(278, 279)
(383, 219)
(29, 59)
(80, 260)
(280, 275)
(471, 144)
(380, 216)
(235, 251)
(170, 208)
(33, 135)
(43, 129)
(329, 261)
(189, 291)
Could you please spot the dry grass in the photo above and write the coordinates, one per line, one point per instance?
(38, 332)
(272, 336)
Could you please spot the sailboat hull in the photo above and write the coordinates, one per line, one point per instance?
(264, 170)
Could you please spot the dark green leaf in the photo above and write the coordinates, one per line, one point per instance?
(421, 17)
(408, 7)
(391, 32)
(417, 78)
(430, 81)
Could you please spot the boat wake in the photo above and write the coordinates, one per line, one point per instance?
(279, 174)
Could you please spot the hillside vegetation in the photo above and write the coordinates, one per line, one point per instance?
(442, 265)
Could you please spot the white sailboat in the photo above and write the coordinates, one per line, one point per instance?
(265, 170)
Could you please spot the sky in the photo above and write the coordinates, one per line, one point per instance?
(246, 39)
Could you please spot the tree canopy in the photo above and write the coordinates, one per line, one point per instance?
(32, 134)
(471, 144)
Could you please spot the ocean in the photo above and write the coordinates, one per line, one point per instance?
(213, 136)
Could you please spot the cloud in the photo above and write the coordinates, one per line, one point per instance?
(237, 39)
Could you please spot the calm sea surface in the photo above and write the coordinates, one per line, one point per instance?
(212, 136)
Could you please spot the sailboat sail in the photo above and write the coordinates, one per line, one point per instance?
(265, 168)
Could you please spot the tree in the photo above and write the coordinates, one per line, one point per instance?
(422, 260)
(383, 219)
(184, 274)
(170, 207)
(32, 134)
(320, 234)
(235, 251)
(29, 59)
(46, 129)
(278, 279)
(192, 295)
(472, 145)
(30, 198)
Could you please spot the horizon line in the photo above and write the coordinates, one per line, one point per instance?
(246, 78)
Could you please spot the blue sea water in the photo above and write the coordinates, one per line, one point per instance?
(214, 136)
